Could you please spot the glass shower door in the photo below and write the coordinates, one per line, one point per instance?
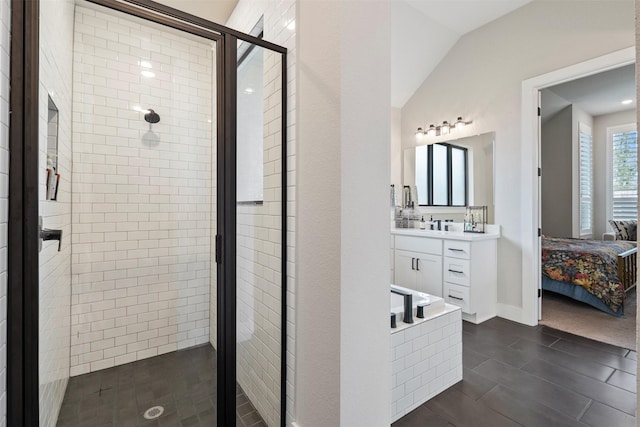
(260, 256)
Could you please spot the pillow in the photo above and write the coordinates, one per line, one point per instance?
(625, 230)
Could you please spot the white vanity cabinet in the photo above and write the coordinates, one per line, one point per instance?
(470, 277)
(460, 267)
(418, 264)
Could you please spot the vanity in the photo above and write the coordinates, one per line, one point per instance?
(459, 267)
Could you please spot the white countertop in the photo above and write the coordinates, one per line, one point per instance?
(493, 232)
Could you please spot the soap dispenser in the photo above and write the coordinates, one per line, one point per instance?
(423, 225)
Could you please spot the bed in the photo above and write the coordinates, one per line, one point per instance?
(595, 272)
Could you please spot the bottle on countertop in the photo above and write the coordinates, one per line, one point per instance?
(423, 225)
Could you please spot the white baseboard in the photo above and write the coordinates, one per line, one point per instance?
(510, 312)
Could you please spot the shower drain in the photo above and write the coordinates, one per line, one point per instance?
(153, 413)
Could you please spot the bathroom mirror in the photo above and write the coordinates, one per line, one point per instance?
(478, 168)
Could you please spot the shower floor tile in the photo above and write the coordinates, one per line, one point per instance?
(182, 382)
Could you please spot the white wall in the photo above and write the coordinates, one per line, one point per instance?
(142, 201)
(56, 47)
(5, 48)
(343, 364)
(556, 187)
(481, 79)
(601, 181)
(259, 244)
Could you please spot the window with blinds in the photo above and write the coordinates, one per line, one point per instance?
(586, 180)
(624, 174)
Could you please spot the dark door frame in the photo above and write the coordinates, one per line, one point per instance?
(22, 247)
(23, 275)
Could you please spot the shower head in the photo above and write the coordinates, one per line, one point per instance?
(151, 116)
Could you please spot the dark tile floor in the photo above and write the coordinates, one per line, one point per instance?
(183, 382)
(516, 375)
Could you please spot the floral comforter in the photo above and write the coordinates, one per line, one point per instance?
(591, 264)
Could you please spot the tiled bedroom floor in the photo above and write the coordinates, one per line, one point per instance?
(183, 382)
(515, 375)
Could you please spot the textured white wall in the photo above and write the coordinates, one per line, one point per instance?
(343, 364)
(481, 79)
(141, 207)
(5, 49)
(365, 131)
(259, 227)
(56, 62)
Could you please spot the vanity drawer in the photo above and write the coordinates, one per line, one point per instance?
(456, 271)
(457, 249)
(458, 295)
(419, 244)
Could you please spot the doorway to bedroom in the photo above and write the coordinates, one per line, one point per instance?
(588, 206)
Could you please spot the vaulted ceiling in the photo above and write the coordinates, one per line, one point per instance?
(423, 31)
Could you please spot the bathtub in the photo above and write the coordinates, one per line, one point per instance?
(426, 355)
(432, 304)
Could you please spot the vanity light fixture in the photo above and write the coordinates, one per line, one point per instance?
(444, 129)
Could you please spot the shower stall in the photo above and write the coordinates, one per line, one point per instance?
(157, 177)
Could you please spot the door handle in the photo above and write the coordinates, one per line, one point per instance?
(417, 264)
(458, 298)
(456, 271)
(413, 260)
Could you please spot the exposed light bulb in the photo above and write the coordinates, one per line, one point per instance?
(444, 129)
(419, 134)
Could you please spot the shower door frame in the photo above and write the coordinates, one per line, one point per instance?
(22, 266)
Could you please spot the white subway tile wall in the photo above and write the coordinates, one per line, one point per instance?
(259, 228)
(5, 48)
(56, 80)
(142, 194)
(426, 359)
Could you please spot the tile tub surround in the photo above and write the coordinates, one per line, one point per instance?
(426, 359)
